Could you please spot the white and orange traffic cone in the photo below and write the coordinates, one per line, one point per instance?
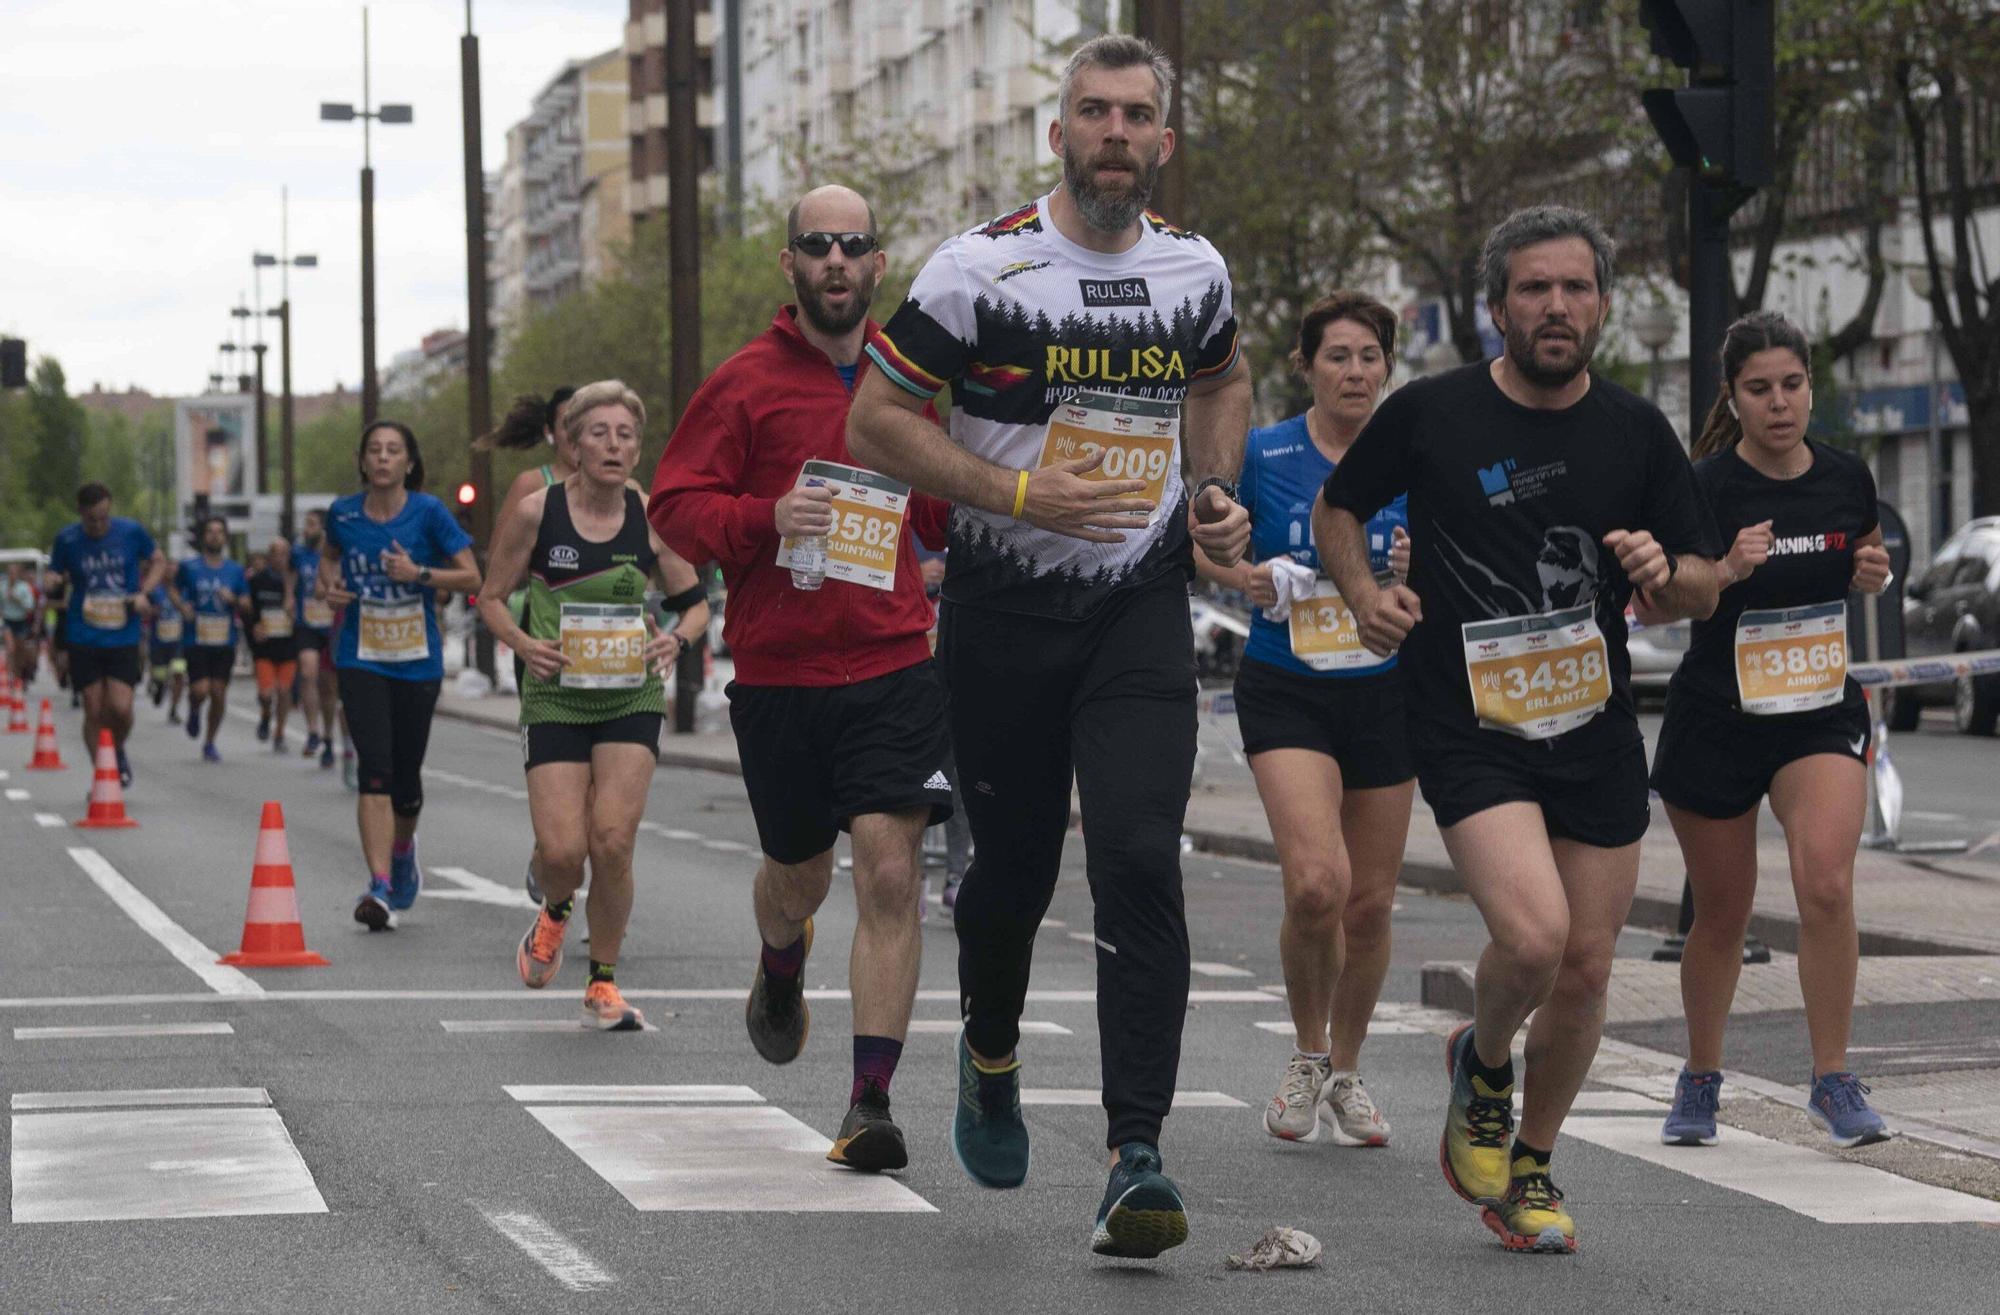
(107, 797)
(48, 758)
(272, 934)
(17, 718)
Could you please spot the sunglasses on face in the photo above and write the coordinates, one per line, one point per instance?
(852, 245)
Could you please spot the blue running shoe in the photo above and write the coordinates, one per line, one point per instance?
(405, 878)
(194, 723)
(1691, 1122)
(124, 768)
(1839, 1104)
(1143, 1213)
(988, 1136)
(210, 754)
(372, 909)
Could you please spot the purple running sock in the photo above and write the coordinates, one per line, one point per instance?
(874, 1061)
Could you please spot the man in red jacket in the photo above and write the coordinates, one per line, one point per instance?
(838, 713)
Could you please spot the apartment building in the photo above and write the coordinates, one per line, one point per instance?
(645, 56)
(952, 97)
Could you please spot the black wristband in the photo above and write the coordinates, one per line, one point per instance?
(685, 599)
(1673, 564)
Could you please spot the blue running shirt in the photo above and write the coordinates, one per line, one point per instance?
(198, 582)
(1282, 473)
(110, 568)
(432, 537)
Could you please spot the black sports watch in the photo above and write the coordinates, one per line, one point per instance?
(424, 576)
(1227, 486)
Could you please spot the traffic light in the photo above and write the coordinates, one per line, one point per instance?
(468, 498)
(1719, 124)
(13, 363)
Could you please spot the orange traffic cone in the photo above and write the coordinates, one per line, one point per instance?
(17, 720)
(272, 934)
(107, 798)
(47, 757)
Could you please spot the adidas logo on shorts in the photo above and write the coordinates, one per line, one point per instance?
(937, 782)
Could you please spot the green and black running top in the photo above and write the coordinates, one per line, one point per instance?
(597, 592)
(517, 602)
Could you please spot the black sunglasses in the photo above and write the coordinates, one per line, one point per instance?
(852, 245)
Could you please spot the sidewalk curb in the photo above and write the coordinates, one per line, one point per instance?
(1650, 912)
(670, 756)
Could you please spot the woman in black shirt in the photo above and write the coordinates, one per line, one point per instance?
(1762, 705)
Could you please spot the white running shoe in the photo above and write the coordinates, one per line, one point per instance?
(1292, 1114)
(1350, 1114)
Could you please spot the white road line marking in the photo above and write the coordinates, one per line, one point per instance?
(478, 1026)
(1087, 938)
(3, 776)
(726, 846)
(98, 1164)
(15, 795)
(1207, 968)
(1053, 923)
(1621, 1102)
(480, 890)
(198, 958)
(1183, 1100)
(691, 1093)
(719, 1158)
(122, 1030)
(1029, 1027)
(50, 820)
(1806, 1182)
(1376, 1027)
(310, 995)
(89, 1100)
(564, 1261)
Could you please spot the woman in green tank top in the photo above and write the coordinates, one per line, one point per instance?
(592, 702)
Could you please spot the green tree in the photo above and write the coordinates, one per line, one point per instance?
(56, 424)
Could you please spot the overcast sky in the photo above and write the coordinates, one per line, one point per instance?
(145, 142)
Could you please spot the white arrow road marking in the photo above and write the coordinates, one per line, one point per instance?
(479, 890)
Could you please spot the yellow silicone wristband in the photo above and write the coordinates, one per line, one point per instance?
(1020, 495)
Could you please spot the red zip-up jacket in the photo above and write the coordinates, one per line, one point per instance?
(752, 424)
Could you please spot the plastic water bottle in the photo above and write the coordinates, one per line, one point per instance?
(808, 559)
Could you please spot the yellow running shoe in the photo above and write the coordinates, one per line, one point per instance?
(1531, 1216)
(1478, 1124)
(605, 1009)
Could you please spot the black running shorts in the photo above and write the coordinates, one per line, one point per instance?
(816, 757)
(1357, 722)
(571, 742)
(210, 663)
(1596, 798)
(1718, 761)
(89, 664)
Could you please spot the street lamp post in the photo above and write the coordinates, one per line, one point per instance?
(1654, 327)
(258, 428)
(1937, 504)
(343, 112)
(285, 262)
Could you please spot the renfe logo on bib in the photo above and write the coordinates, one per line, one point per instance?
(1115, 292)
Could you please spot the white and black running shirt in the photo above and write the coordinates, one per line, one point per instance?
(1016, 317)
(1508, 508)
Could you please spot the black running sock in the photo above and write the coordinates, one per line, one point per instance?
(1540, 1158)
(600, 972)
(559, 912)
(1496, 1079)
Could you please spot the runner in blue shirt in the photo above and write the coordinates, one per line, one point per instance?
(108, 563)
(388, 550)
(210, 590)
(166, 633)
(1322, 722)
(318, 694)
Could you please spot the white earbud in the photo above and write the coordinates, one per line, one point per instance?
(1731, 404)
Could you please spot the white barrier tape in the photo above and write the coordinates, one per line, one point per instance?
(1926, 671)
(1216, 703)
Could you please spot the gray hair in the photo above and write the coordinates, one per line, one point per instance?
(605, 392)
(1537, 224)
(1114, 50)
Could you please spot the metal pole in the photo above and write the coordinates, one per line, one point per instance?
(1937, 509)
(285, 436)
(1159, 21)
(263, 458)
(370, 398)
(1708, 297)
(684, 263)
(478, 385)
(1653, 380)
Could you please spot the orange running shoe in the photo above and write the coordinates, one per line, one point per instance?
(540, 954)
(605, 1009)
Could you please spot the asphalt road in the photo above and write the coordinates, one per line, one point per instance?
(354, 1142)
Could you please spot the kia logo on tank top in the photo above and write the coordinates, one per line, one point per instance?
(563, 557)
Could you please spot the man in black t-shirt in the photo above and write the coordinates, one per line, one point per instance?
(1540, 498)
(273, 641)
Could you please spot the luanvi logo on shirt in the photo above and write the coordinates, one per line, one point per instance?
(1115, 292)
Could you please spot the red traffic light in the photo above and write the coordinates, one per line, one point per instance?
(468, 493)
